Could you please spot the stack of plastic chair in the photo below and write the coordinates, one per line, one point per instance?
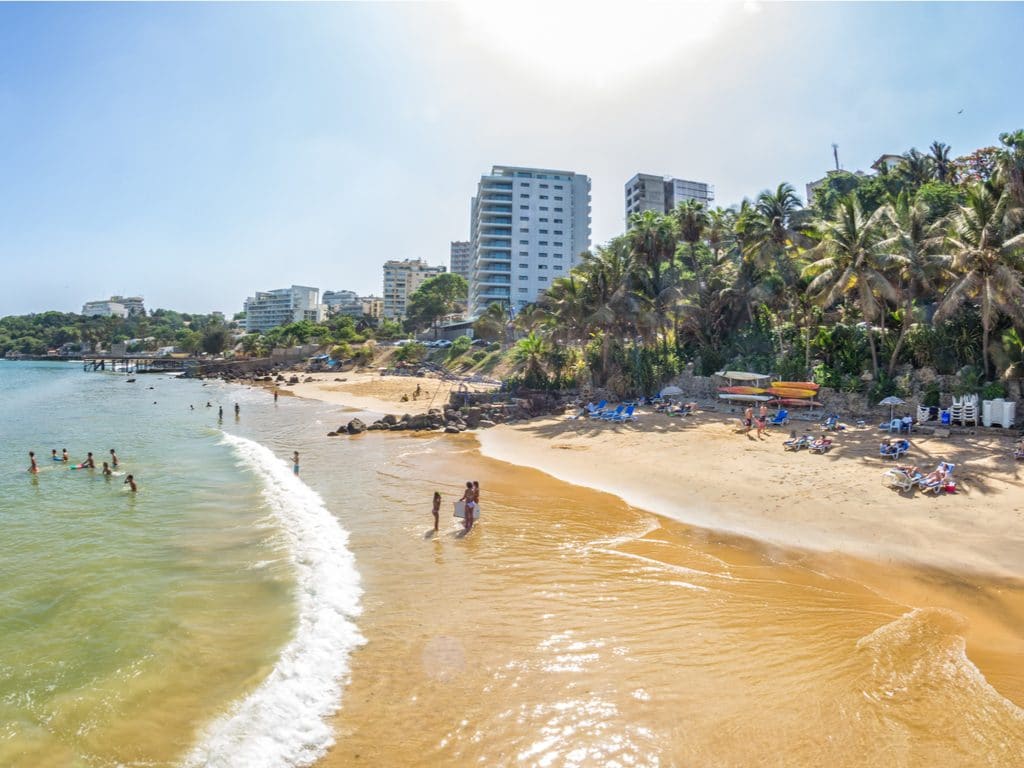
(956, 411)
(923, 413)
(970, 410)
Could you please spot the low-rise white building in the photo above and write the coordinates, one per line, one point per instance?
(105, 308)
(269, 309)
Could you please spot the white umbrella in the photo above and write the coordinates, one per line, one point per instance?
(670, 391)
(892, 401)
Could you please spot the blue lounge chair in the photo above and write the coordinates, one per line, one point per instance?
(626, 415)
(609, 415)
(780, 418)
(821, 445)
(796, 443)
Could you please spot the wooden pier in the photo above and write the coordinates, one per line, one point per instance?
(135, 363)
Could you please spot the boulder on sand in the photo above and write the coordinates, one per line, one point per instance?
(355, 427)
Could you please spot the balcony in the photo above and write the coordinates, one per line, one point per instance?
(494, 280)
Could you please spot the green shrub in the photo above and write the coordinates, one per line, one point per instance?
(478, 355)
(411, 353)
(459, 347)
(993, 390)
(494, 346)
(931, 395)
(364, 355)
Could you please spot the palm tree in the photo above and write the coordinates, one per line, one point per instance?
(988, 255)
(692, 219)
(1010, 165)
(916, 169)
(913, 249)
(531, 350)
(940, 160)
(492, 322)
(850, 261)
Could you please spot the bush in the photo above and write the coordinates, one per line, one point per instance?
(478, 356)
(494, 346)
(993, 390)
(364, 355)
(459, 347)
(411, 353)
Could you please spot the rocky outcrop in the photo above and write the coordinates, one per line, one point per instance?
(453, 420)
(355, 427)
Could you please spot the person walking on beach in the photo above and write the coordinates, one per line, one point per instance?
(237, 409)
(33, 468)
(113, 459)
(469, 506)
(295, 462)
(64, 456)
(220, 412)
(762, 421)
(436, 511)
(748, 419)
(130, 482)
(476, 494)
(275, 395)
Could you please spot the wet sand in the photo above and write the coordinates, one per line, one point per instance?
(570, 628)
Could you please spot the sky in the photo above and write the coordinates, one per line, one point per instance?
(196, 153)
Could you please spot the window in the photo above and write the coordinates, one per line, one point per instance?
(523, 277)
(544, 208)
(543, 231)
(558, 245)
(558, 197)
(524, 230)
(543, 221)
(523, 290)
(558, 221)
(543, 242)
(524, 253)
(543, 186)
(543, 197)
(557, 268)
(558, 186)
(524, 266)
(524, 218)
(542, 266)
(525, 194)
(542, 279)
(524, 207)
(524, 242)
(542, 255)
(558, 255)
(557, 210)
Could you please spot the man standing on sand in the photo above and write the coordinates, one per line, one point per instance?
(748, 419)
(275, 394)
(762, 421)
(237, 409)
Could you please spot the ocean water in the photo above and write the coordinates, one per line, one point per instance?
(204, 621)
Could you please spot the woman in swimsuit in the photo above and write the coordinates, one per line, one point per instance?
(436, 511)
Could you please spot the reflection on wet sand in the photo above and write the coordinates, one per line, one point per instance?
(571, 629)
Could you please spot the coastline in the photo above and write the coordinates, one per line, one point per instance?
(701, 471)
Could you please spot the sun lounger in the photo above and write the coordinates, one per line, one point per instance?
(821, 445)
(901, 479)
(894, 450)
(780, 418)
(609, 415)
(796, 443)
(1018, 451)
(626, 415)
(939, 480)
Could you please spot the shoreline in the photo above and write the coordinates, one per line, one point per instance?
(754, 489)
(700, 471)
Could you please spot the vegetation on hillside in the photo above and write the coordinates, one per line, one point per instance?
(920, 265)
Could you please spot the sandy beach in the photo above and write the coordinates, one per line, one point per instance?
(369, 391)
(703, 471)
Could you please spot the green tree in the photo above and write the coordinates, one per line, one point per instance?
(435, 298)
(215, 339)
(940, 161)
(988, 256)
(492, 322)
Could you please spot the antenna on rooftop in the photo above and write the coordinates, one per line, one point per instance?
(835, 154)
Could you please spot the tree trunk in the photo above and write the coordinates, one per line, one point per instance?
(904, 329)
(874, 352)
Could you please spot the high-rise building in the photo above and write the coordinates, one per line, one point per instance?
(461, 258)
(269, 309)
(343, 303)
(115, 306)
(528, 226)
(646, 192)
(401, 279)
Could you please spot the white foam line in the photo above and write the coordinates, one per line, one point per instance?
(283, 723)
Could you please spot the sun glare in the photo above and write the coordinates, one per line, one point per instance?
(591, 43)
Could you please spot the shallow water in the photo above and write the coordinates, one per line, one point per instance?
(218, 617)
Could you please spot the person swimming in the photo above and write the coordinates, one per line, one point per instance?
(64, 455)
(33, 467)
(113, 459)
(130, 482)
(54, 456)
(89, 462)
(106, 470)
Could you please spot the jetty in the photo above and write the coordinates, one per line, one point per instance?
(135, 363)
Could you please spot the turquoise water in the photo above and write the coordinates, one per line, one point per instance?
(172, 626)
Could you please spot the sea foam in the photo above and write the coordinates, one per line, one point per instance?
(284, 721)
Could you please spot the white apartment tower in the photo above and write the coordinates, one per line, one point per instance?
(528, 226)
(647, 192)
(461, 259)
(401, 279)
(269, 309)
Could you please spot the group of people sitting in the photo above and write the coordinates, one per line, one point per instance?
(670, 407)
(815, 445)
(939, 479)
(893, 449)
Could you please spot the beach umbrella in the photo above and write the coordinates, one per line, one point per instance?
(670, 391)
(892, 401)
